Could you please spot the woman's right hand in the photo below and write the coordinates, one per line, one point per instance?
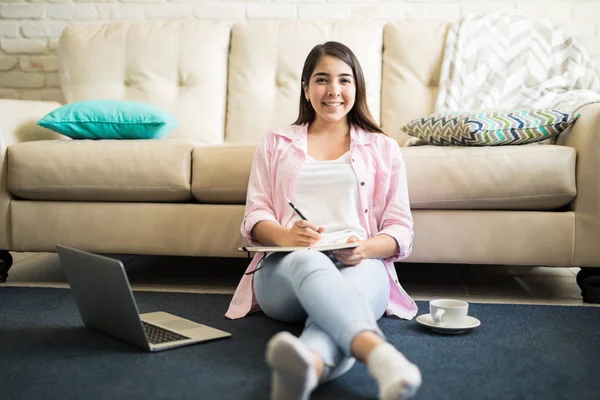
(303, 234)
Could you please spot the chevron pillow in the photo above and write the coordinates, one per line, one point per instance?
(492, 128)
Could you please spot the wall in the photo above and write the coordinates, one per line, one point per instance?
(29, 29)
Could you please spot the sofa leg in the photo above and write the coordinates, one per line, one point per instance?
(588, 279)
(6, 262)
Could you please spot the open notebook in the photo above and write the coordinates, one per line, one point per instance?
(320, 247)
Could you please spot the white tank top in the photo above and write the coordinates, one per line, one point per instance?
(327, 195)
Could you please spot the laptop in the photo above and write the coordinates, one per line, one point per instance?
(106, 304)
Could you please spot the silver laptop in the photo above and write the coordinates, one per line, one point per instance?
(106, 304)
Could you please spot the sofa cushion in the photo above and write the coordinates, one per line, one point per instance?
(179, 66)
(412, 61)
(109, 119)
(220, 173)
(265, 67)
(108, 170)
(528, 177)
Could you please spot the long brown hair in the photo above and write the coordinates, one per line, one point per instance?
(359, 114)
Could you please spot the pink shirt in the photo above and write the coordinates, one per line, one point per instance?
(383, 201)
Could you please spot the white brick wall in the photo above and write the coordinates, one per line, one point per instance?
(29, 29)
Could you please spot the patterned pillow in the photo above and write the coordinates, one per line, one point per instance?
(491, 128)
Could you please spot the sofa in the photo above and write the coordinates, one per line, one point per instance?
(227, 84)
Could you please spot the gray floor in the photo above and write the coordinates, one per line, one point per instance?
(475, 283)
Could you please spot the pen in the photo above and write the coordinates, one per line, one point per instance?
(327, 253)
(295, 209)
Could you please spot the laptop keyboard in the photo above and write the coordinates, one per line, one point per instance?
(157, 335)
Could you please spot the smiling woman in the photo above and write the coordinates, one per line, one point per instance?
(349, 179)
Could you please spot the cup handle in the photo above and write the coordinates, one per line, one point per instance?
(437, 317)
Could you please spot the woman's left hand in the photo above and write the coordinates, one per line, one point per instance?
(351, 257)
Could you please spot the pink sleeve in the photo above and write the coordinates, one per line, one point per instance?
(396, 220)
(259, 204)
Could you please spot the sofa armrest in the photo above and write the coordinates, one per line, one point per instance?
(584, 137)
(18, 120)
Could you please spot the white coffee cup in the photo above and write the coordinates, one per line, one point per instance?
(448, 312)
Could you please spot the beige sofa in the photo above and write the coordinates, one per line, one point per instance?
(227, 84)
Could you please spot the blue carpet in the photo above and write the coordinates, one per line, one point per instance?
(519, 352)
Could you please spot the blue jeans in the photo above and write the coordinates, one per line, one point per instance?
(337, 302)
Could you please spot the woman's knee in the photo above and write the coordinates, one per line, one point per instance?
(292, 313)
(308, 256)
(371, 279)
(276, 297)
(306, 262)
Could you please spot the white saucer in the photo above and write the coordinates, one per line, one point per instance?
(470, 323)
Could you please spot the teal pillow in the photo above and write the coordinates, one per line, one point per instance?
(492, 128)
(109, 119)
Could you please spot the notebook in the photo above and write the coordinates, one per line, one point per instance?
(320, 247)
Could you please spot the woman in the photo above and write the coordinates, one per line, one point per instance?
(349, 181)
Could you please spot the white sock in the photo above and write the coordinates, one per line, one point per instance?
(293, 373)
(397, 377)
